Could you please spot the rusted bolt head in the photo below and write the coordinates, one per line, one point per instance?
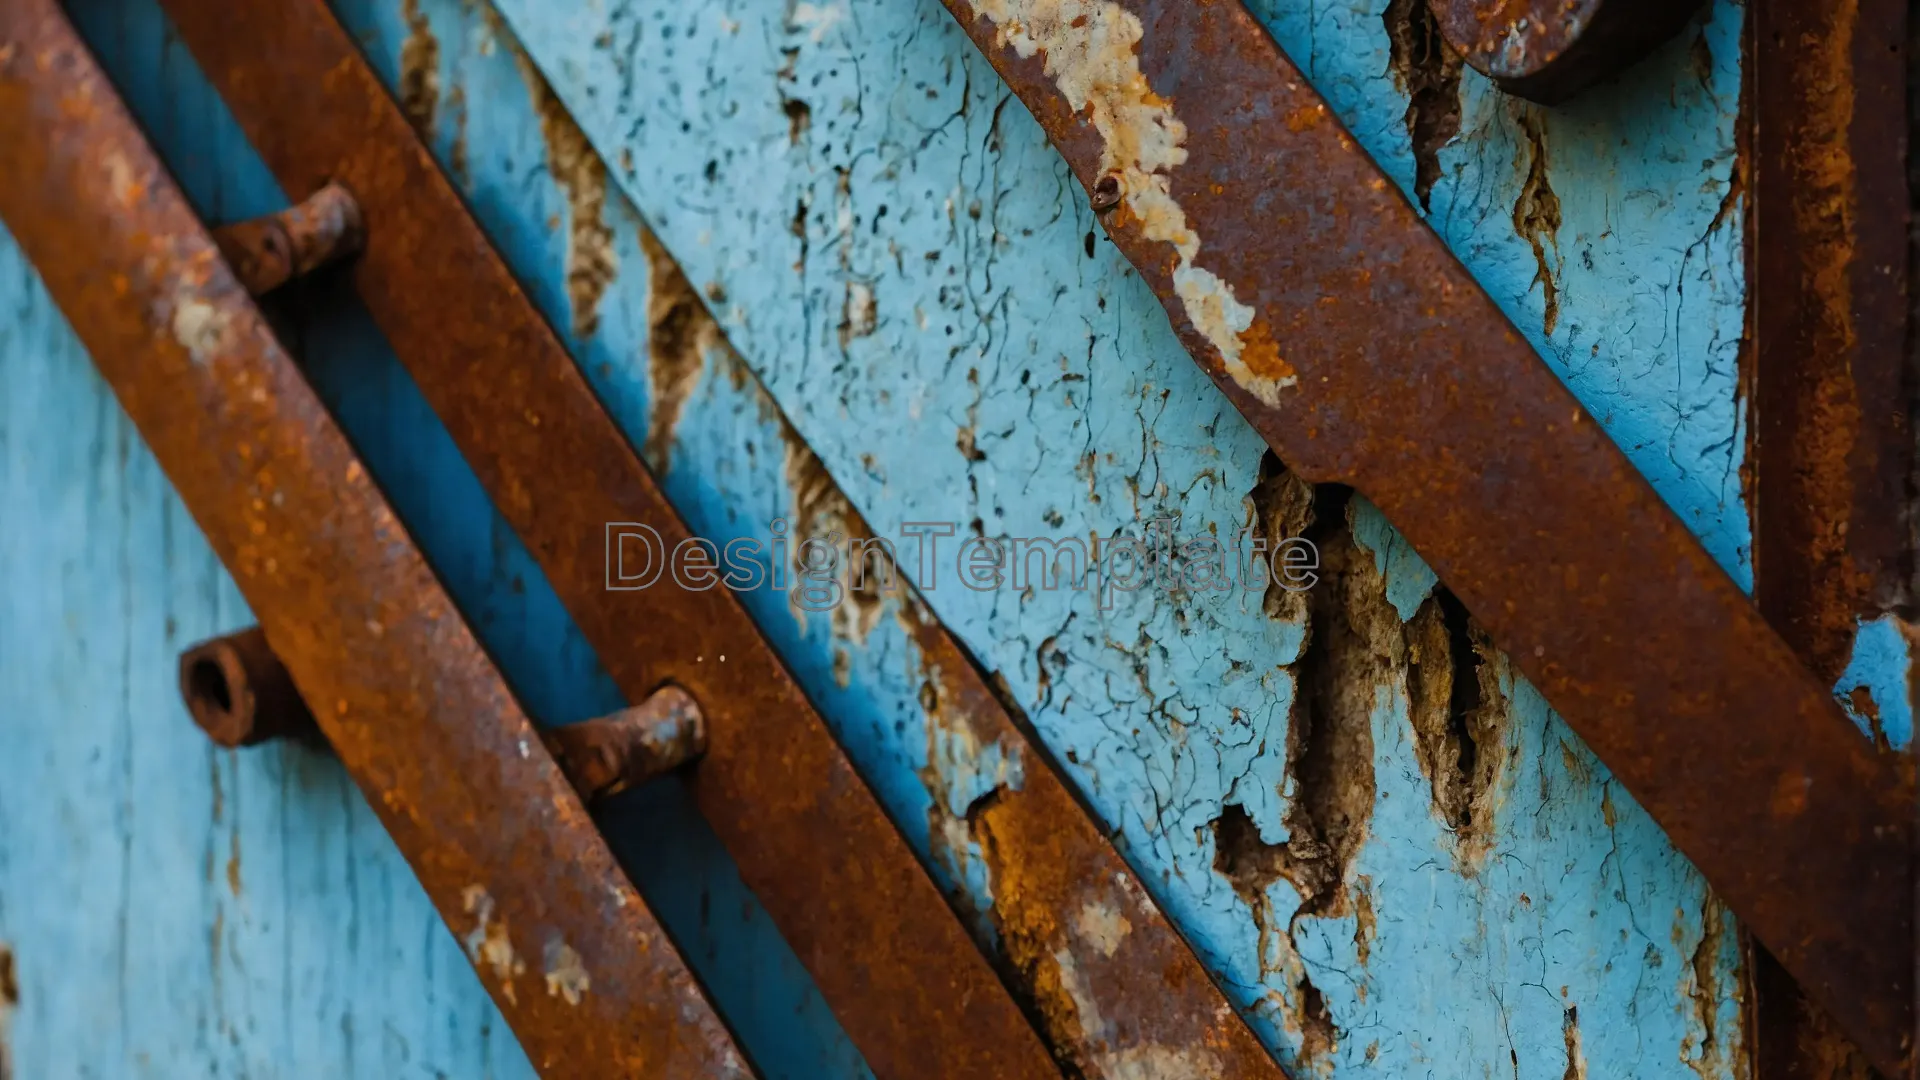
(1549, 50)
(239, 694)
(1106, 193)
(613, 753)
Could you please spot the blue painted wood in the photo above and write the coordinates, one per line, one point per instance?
(332, 962)
(175, 910)
(898, 256)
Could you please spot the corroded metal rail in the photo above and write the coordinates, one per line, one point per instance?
(1340, 325)
(897, 967)
(416, 710)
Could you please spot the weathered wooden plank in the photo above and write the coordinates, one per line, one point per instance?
(971, 315)
(173, 909)
(342, 1008)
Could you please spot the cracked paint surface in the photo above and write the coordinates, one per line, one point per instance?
(783, 158)
(1021, 377)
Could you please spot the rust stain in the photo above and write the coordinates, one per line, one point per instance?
(1570, 1033)
(457, 150)
(1711, 1051)
(857, 312)
(592, 263)
(233, 861)
(9, 1003)
(419, 69)
(1428, 72)
(1536, 213)
(680, 332)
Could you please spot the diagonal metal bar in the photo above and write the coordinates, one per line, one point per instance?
(1308, 287)
(416, 710)
(1149, 991)
(908, 985)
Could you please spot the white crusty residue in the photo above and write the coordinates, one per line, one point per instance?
(198, 327)
(566, 975)
(1091, 53)
(1102, 926)
(488, 944)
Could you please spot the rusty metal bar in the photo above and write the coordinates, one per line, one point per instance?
(1309, 288)
(412, 704)
(891, 959)
(1832, 451)
(1149, 989)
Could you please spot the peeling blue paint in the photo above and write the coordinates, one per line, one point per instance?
(905, 265)
(1876, 689)
(919, 292)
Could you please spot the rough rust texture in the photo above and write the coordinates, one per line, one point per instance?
(240, 694)
(1549, 50)
(417, 712)
(1829, 295)
(270, 251)
(607, 755)
(896, 966)
(1833, 455)
(1340, 325)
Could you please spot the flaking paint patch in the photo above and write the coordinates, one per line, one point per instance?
(419, 69)
(566, 976)
(1161, 1063)
(1570, 1034)
(964, 774)
(592, 263)
(680, 332)
(1091, 53)
(1715, 1047)
(1536, 215)
(1150, 1062)
(487, 943)
(822, 511)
